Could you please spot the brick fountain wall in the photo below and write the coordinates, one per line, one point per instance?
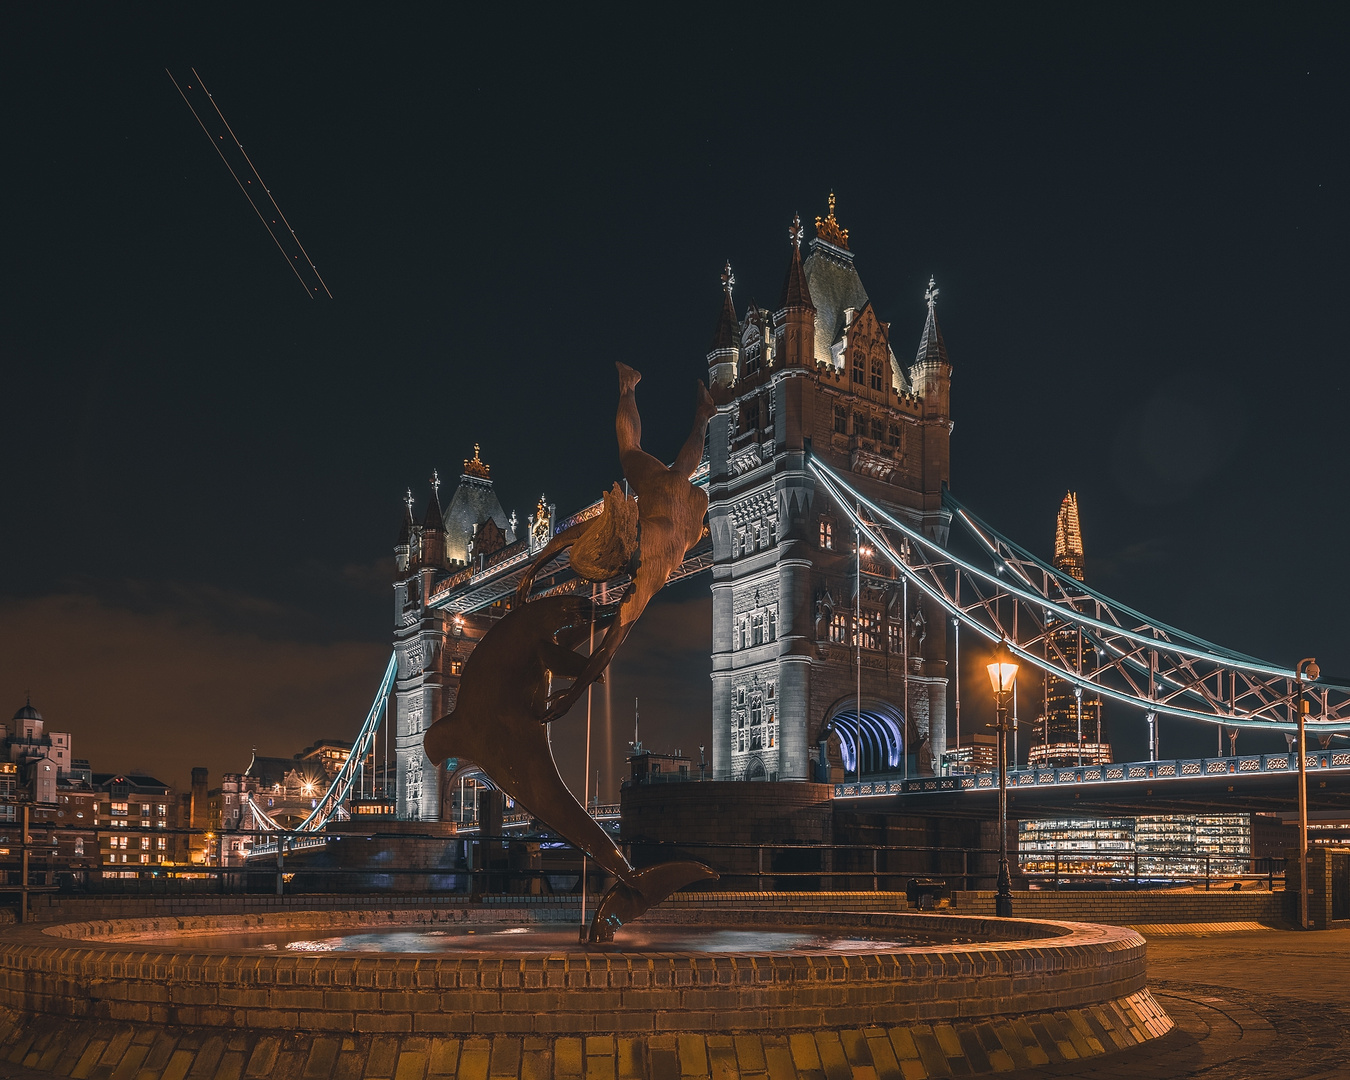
(140, 998)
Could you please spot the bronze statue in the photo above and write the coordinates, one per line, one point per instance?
(504, 693)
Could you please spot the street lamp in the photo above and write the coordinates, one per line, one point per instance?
(1301, 706)
(1002, 676)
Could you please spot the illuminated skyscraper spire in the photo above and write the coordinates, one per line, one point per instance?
(1069, 537)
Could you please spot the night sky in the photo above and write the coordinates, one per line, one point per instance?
(1138, 226)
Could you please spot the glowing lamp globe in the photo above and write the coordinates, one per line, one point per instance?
(1002, 671)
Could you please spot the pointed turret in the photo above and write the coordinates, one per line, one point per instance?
(932, 349)
(403, 545)
(931, 372)
(433, 526)
(725, 352)
(930, 376)
(795, 322)
(1069, 538)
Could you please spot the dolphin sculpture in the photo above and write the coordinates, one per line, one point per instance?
(498, 724)
(505, 700)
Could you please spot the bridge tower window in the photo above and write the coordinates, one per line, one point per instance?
(893, 436)
(826, 535)
(840, 420)
(876, 374)
(859, 372)
(877, 430)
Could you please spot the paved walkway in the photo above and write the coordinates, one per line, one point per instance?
(1260, 1005)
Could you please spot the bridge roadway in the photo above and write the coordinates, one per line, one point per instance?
(1243, 784)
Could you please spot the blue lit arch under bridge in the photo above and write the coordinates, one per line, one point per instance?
(1004, 593)
(880, 729)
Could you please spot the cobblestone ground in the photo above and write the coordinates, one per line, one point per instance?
(1266, 1005)
(1260, 1005)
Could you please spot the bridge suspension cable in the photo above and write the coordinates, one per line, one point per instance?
(333, 801)
(1134, 659)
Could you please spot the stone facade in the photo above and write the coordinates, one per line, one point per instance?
(818, 378)
(432, 642)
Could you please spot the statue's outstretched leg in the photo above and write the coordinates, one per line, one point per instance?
(640, 469)
(691, 453)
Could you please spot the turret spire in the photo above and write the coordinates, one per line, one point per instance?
(406, 529)
(727, 336)
(435, 518)
(932, 349)
(796, 292)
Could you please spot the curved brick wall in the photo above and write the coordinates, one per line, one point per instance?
(98, 991)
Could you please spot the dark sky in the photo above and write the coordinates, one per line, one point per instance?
(1138, 223)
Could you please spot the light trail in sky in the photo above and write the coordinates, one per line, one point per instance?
(227, 145)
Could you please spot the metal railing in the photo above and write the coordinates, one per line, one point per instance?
(513, 864)
(1117, 772)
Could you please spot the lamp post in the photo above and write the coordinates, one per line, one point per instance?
(857, 648)
(1002, 676)
(1301, 707)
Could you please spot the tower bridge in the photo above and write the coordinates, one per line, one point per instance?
(834, 547)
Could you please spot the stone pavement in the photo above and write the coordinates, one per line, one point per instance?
(1262, 1005)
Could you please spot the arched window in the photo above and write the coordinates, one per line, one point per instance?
(876, 374)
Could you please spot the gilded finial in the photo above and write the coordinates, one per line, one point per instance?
(795, 231)
(828, 229)
(435, 484)
(408, 500)
(475, 466)
(728, 278)
(931, 293)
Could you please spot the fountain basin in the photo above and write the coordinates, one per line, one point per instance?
(999, 994)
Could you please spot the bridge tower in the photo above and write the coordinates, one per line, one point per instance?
(431, 642)
(817, 376)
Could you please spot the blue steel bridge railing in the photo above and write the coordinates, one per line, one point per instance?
(1114, 773)
(1127, 657)
(339, 791)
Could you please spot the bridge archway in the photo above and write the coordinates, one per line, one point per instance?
(460, 792)
(882, 729)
